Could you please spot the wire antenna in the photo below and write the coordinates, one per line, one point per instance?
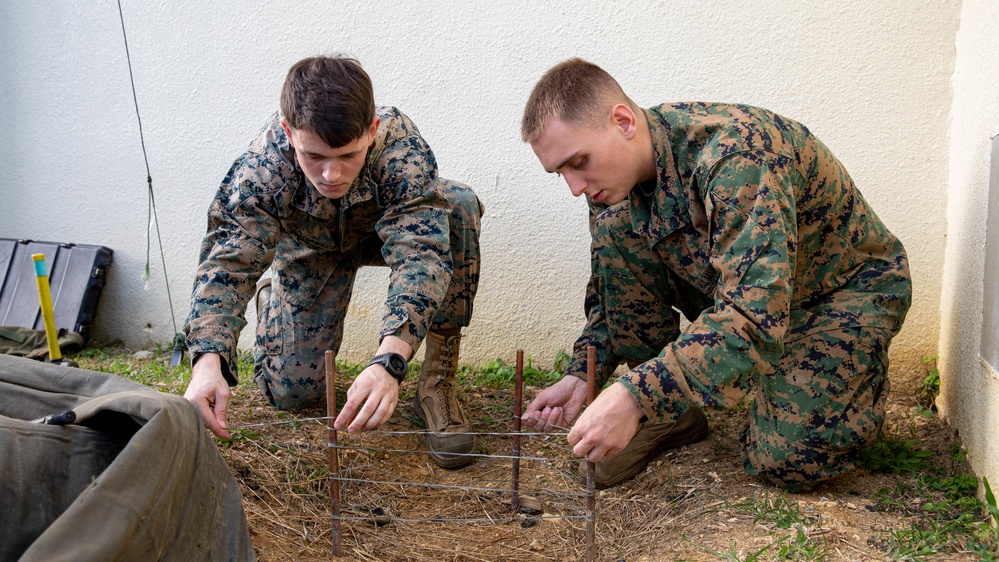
(151, 219)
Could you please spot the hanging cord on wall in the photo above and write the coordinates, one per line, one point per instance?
(179, 344)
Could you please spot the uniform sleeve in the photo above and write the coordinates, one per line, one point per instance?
(735, 343)
(238, 247)
(414, 231)
(595, 332)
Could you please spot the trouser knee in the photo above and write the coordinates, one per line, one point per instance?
(464, 224)
(466, 209)
(798, 472)
(797, 466)
(455, 310)
(634, 291)
(812, 416)
(289, 390)
(290, 347)
(812, 456)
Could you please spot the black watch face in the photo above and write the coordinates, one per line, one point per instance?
(397, 364)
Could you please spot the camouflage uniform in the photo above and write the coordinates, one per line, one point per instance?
(793, 286)
(396, 213)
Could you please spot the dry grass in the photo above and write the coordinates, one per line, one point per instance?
(696, 503)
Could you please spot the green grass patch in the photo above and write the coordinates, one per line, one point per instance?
(947, 517)
(789, 530)
(153, 371)
(895, 456)
(929, 388)
(779, 514)
(500, 374)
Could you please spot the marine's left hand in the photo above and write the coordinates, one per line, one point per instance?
(372, 398)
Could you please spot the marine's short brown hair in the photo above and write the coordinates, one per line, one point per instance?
(330, 96)
(575, 91)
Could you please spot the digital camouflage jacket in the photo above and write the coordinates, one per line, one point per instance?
(267, 211)
(769, 233)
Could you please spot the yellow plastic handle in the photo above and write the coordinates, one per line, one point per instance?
(45, 298)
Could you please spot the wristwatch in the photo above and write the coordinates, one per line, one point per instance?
(394, 363)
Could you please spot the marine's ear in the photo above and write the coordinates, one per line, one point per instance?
(625, 119)
(287, 132)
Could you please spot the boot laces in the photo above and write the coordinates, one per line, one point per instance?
(443, 384)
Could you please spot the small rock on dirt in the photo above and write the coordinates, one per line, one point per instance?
(530, 505)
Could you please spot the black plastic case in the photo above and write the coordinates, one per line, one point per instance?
(77, 273)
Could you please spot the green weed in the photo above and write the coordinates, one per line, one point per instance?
(895, 456)
(775, 511)
(154, 371)
(245, 434)
(990, 504)
(929, 536)
(953, 487)
(949, 518)
(886, 501)
(773, 508)
(929, 388)
(499, 374)
(734, 555)
(800, 547)
(958, 457)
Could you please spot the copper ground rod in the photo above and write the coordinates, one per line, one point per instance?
(334, 457)
(518, 407)
(591, 511)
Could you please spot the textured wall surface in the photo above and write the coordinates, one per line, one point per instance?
(870, 78)
(969, 395)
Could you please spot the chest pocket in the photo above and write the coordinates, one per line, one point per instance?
(302, 271)
(684, 252)
(357, 223)
(311, 232)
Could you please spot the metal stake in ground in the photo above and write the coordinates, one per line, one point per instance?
(334, 456)
(518, 393)
(591, 502)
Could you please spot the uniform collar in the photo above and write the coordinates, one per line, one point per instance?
(657, 214)
(308, 199)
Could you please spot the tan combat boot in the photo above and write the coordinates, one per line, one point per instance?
(437, 405)
(650, 441)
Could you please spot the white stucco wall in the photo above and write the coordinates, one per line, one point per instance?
(969, 396)
(870, 78)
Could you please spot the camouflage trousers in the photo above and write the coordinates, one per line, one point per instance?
(292, 338)
(808, 420)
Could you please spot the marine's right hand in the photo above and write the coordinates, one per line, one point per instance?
(209, 392)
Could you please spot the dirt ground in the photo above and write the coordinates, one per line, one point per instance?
(695, 503)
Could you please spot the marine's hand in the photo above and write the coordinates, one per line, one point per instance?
(209, 392)
(556, 406)
(607, 425)
(371, 399)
